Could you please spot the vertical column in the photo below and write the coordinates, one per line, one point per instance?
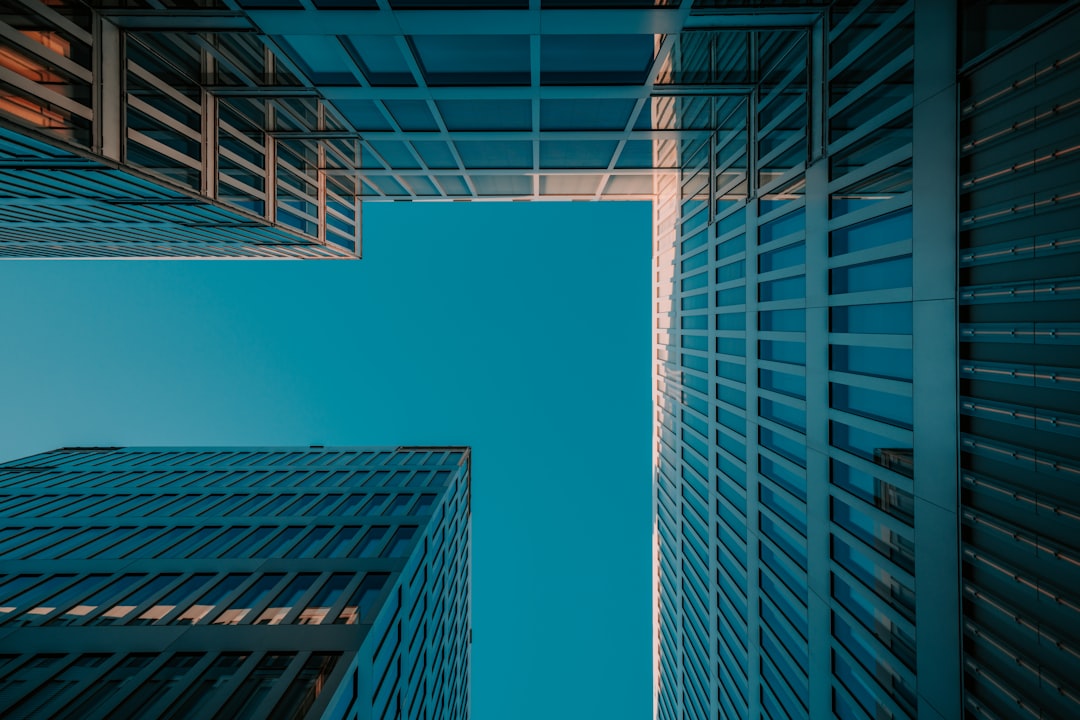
(934, 253)
(753, 543)
(209, 102)
(270, 183)
(108, 99)
(819, 671)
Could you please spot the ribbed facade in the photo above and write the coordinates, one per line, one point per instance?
(865, 419)
(230, 583)
(1020, 375)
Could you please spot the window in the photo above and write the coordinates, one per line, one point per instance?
(243, 606)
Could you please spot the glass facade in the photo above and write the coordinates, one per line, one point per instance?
(222, 583)
(865, 273)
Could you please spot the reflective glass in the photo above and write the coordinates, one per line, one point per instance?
(243, 605)
(506, 115)
(210, 600)
(473, 59)
(279, 608)
(362, 600)
(191, 705)
(124, 607)
(601, 59)
(319, 607)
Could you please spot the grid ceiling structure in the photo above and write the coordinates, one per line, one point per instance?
(289, 113)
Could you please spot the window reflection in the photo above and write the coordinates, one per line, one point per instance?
(362, 599)
(319, 608)
(210, 600)
(126, 606)
(277, 610)
(243, 605)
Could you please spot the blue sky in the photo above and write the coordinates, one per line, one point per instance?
(520, 329)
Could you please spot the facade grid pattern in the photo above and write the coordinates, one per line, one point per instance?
(261, 582)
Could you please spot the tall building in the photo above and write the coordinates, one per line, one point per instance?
(865, 279)
(225, 583)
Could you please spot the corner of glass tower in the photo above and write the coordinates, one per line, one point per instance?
(290, 583)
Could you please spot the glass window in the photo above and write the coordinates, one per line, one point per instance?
(362, 599)
(319, 607)
(214, 547)
(349, 506)
(371, 542)
(782, 320)
(297, 508)
(244, 547)
(875, 361)
(307, 545)
(601, 59)
(874, 576)
(880, 275)
(882, 495)
(130, 544)
(78, 589)
(872, 446)
(792, 288)
(193, 705)
(127, 605)
(783, 226)
(783, 445)
(279, 608)
(210, 600)
(90, 603)
(423, 505)
(375, 504)
(247, 508)
(321, 507)
(255, 686)
(876, 664)
(115, 683)
(881, 230)
(785, 351)
(96, 540)
(78, 672)
(162, 541)
(243, 606)
(787, 256)
(889, 319)
(189, 543)
(473, 59)
(305, 687)
(166, 677)
(398, 504)
(152, 507)
(401, 540)
(282, 540)
(339, 545)
(25, 598)
(168, 602)
(586, 114)
(29, 542)
(886, 407)
(576, 153)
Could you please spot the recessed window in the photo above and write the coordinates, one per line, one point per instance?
(473, 59)
(585, 114)
(596, 59)
(468, 115)
(381, 60)
(412, 115)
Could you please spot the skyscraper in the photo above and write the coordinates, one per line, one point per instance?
(243, 582)
(865, 246)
